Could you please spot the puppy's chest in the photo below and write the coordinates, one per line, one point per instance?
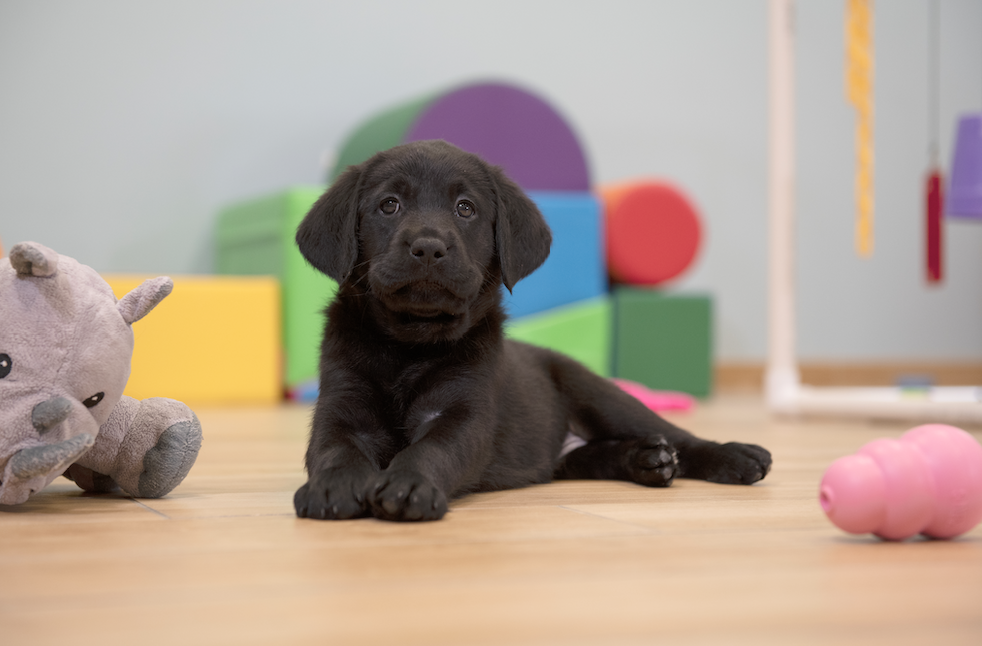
(414, 393)
(413, 387)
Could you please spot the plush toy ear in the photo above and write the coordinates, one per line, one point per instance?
(328, 235)
(33, 259)
(521, 234)
(135, 305)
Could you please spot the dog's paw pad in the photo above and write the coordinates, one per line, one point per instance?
(408, 497)
(653, 463)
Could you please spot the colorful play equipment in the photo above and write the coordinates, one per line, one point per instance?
(506, 125)
(567, 303)
(929, 481)
(662, 339)
(575, 269)
(256, 237)
(581, 330)
(784, 390)
(653, 231)
(213, 341)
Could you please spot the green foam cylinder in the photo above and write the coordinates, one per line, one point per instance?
(256, 237)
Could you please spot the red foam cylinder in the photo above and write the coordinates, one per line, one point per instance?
(653, 231)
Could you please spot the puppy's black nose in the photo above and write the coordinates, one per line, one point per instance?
(428, 250)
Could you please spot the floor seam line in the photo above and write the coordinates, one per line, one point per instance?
(151, 509)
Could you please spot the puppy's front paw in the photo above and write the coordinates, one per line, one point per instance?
(730, 463)
(406, 496)
(652, 462)
(331, 496)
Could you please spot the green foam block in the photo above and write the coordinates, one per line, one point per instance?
(581, 330)
(663, 341)
(257, 238)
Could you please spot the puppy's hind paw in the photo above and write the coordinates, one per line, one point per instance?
(652, 462)
(406, 497)
(730, 463)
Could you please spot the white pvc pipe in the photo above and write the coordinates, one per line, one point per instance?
(782, 379)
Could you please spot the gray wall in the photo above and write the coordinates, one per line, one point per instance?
(125, 126)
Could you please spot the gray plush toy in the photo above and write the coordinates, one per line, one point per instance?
(65, 350)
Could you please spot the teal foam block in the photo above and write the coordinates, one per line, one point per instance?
(257, 237)
(663, 340)
(575, 270)
(581, 330)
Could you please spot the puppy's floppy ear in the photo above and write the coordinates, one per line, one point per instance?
(521, 235)
(328, 235)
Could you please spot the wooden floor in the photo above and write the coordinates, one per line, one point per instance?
(223, 560)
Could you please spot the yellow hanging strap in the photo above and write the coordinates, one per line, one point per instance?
(859, 90)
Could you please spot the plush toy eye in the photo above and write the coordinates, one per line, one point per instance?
(94, 400)
(465, 209)
(6, 363)
(389, 206)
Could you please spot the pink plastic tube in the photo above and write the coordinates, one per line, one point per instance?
(929, 481)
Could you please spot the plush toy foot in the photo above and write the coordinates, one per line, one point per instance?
(90, 480)
(161, 443)
(168, 462)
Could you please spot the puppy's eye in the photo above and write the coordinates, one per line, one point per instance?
(6, 364)
(93, 400)
(389, 206)
(465, 209)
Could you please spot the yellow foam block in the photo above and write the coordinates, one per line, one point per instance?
(213, 340)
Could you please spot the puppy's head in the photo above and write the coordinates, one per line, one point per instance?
(428, 231)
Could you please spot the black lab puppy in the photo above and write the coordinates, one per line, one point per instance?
(422, 397)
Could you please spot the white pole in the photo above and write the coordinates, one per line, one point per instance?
(782, 379)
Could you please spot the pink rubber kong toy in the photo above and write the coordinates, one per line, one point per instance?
(929, 481)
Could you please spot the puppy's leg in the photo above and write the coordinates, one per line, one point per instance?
(606, 414)
(445, 451)
(336, 492)
(411, 488)
(340, 471)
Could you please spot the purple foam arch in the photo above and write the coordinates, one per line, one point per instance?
(511, 128)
